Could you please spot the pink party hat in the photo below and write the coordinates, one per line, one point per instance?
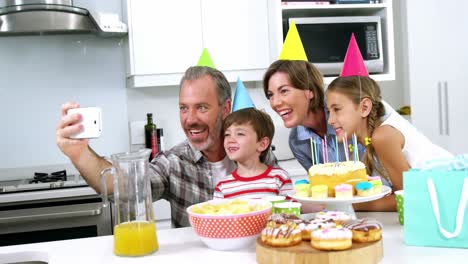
(353, 63)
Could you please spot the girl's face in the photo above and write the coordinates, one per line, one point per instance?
(240, 143)
(291, 103)
(344, 115)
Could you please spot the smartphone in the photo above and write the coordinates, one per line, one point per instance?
(91, 121)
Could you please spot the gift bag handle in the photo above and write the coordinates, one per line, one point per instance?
(460, 211)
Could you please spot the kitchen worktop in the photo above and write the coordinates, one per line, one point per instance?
(182, 245)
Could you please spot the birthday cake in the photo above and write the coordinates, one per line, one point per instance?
(334, 173)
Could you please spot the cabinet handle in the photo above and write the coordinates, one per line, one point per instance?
(439, 92)
(446, 108)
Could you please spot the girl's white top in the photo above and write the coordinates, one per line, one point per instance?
(417, 148)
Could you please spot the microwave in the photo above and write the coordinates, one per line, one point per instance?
(326, 39)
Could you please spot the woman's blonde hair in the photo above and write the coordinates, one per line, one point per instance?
(357, 88)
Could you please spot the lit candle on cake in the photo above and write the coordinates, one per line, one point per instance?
(323, 151)
(326, 149)
(312, 151)
(345, 150)
(336, 149)
(316, 152)
(355, 148)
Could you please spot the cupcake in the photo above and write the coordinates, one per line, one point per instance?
(302, 188)
(364, 189)
(344, 191)
(319, 191)
(376, 183)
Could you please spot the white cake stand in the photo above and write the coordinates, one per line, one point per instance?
(344, 205)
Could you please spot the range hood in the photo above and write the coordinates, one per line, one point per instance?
(46, 17)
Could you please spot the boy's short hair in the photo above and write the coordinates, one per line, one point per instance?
(259, 120)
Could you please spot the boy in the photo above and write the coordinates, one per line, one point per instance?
(247, 137)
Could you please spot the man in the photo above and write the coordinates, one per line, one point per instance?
(187, 173)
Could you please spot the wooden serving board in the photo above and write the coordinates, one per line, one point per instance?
(304, 253)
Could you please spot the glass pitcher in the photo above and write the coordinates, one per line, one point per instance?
(135, 229)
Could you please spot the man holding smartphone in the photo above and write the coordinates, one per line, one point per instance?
(187, 173)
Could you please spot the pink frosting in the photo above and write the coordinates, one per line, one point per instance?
(373, 178)
(343, 187)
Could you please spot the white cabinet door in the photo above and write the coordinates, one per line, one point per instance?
(236, 33)
(424, 60)
(438, 59)
(457, 78)
(164, 36)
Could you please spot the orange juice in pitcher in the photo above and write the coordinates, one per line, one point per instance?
(135, 238)
(135, 229)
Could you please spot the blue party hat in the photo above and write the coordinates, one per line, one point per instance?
(241, 97)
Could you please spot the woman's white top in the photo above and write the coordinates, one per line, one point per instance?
(417, 147)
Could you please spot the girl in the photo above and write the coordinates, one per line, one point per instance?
(392, 146)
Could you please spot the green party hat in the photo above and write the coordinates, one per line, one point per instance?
(205, 59)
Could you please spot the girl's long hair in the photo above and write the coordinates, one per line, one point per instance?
(357, 88)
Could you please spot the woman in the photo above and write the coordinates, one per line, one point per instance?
(295, 91)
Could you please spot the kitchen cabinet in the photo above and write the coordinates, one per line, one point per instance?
(166, 37)
(437, 58)
(384, 10)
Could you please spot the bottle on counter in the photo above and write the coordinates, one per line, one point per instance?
(151, 138)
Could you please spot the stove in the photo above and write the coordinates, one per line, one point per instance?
(43, 181)
(51, 206)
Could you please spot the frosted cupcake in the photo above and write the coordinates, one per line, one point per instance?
(364, 189)
(376, 183)
(344, 191)
(302, 188)
(319, 191)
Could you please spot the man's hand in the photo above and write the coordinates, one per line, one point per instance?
(66, 127)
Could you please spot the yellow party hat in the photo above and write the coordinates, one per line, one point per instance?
(205, 59)
(292, 47)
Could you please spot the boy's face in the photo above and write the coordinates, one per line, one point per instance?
(344, 115)
(240, 143)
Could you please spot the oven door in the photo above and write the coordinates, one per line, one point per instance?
(43, 221)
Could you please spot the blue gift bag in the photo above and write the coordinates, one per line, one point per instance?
(435, 208)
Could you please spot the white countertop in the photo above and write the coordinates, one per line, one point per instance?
(182, 246)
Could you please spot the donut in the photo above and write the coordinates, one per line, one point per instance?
(337, 216)
(334, 238)
(282, 231)
(364, 230)
(307, 227)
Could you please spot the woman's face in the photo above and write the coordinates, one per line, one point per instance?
(344, 115)
(291, 103)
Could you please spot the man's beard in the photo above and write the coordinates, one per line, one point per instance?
(213, 137)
